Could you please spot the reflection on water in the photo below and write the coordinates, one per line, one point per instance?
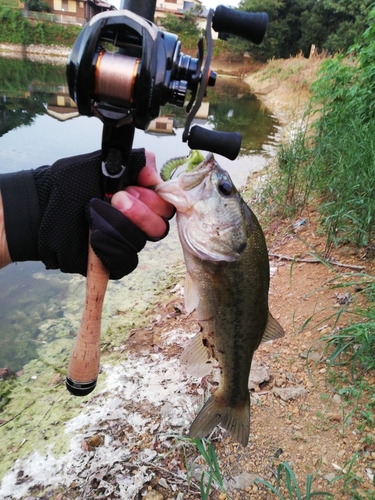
(37, 128)
(28, 297)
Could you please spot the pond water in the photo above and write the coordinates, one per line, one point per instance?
(34, 130)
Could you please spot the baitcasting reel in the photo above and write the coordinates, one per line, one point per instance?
(123, 69)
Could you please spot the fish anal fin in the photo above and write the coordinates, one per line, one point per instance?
(190, 294)
(273, 329)
(196, 358)
(236, 420)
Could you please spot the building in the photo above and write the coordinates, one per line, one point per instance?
(77, 11)
(176, 6)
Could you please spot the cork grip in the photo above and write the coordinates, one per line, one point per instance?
(84, 361)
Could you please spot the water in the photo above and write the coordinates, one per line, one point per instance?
(34, 303)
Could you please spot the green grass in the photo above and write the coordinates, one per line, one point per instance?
(286, 475)
(330, 161)
(9, 3)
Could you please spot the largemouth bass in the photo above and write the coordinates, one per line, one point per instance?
(227, 282)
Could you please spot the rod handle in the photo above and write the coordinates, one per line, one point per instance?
(83, 368)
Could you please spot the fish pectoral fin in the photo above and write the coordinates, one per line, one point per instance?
(190, 294)
(236, 420)
(196, 358)
(273, 329)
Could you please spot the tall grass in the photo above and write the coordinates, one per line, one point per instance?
(333, 161)
(330, 163)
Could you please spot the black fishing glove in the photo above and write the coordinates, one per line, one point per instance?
(48, 212)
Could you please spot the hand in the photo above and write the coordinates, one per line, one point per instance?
(143, 206)
(4, 252)
(48, 213)
(117, 239)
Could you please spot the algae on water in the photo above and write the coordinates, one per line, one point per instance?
(39, 405)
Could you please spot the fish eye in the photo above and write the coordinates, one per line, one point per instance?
(225, 188)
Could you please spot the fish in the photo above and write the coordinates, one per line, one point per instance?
(227, 283)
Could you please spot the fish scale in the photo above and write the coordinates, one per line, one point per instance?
(227, 282)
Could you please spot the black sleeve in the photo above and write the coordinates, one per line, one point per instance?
(21, 214)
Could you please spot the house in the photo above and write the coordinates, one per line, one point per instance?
(61, 106)
(77, 11)
(177, 7)
(161, 125)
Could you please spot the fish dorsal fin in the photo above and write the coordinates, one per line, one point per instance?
(196, 358)
(273, 329)
(190, 294)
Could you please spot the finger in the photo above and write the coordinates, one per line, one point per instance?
(140, 214)
(149, 176)
(152, 200)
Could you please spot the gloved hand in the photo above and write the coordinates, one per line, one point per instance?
(61, 202)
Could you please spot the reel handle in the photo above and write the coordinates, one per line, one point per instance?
(227, 144)
(249, 25)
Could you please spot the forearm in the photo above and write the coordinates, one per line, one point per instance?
(4, 252)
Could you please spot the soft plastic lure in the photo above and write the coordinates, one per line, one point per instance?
(169, 168)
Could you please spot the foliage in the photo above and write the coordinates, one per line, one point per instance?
(210, 477)
(353, 345)
(39, 6)
(6, 387)
(331, 25)
(291, 485)
(213, 475)
(335, 165)
(185, 27)
(17, 29)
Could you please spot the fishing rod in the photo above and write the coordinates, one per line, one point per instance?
(122, 69)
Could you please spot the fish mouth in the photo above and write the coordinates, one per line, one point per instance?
(189, 180)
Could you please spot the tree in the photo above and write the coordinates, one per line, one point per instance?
(271, 39)
(294, 25)
(39, 6)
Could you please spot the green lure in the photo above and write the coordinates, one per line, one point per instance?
(193, 160)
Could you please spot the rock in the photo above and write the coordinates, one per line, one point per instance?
(6, 373)
(298, 435)
(94, 441)
(163, 483)
(153, 495)
(336, 399)
(328, 477)
(334, 417)
(243, 480)
(279, 382)
(288, 393)
(258, 374)
(312, 354)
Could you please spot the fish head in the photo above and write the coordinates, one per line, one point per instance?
(211, 214)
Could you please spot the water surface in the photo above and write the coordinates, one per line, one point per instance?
(35, 303)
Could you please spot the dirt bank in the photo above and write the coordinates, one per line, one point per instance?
(284, 85)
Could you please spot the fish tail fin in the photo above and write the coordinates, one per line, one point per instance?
(236, 420)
